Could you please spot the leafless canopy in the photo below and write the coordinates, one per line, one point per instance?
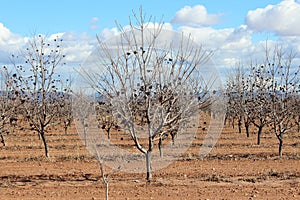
(151, 77)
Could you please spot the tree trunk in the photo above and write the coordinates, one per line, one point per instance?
(108, 132)
(84, 126)
(2, 139)
(106, 190)
(225, 120)
(259, 134)
(247, 129)
(67, 124)
(104, 176)
(240, 125)
(280, 145)
(43, 136)
(66, 129)
(85, 136)
(160, 147)
(298, 123)
(173, 139)
(148, 165)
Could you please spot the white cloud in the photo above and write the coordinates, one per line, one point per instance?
(55, 35)
(9, 40)
(194, 16)
(235, 45)
(283, 18)
(9, 44)
(230, 45)
(77, 47)
(94, 23)
(228, 38)
(107, 33)
(238, 39)
(207, 36)
(293, 42)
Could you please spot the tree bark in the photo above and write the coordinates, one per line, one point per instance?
(173, 139)
(247, 129)
(43, 136)
(160, 147)
(232, 122)
(148, 165)
(66, 130)
(280, 144)
(108, 132)
(280, 147)
(298, 124)
(2, 139)
(104, 177)
(106, 190)
(259, 134)
(240, 125)
(225, 120)
(85, 135)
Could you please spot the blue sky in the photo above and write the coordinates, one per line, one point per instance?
(235, 29)
(24, 17)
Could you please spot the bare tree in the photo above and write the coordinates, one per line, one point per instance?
(83, 105)
(104, 174)
(237, 96)
(284, 91)
(259, 101)
(8, 103)
(143, 78)
(66, 100)
(270, 93)
(36, 83)
(105, 117)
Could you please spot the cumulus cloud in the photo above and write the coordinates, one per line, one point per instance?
(9, 44)
(283, 18)
(77, 47)
(55, 35)
(238, 39)
(9, 39)
(107, 33)
(209, 37)
(227, 38)
(293, 42)
(230, 45)
(194, 16)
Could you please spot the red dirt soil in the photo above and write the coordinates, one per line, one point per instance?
(237, 168)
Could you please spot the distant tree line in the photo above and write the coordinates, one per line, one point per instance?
(266, 95)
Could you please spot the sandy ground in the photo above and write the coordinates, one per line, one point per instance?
(237, 168)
